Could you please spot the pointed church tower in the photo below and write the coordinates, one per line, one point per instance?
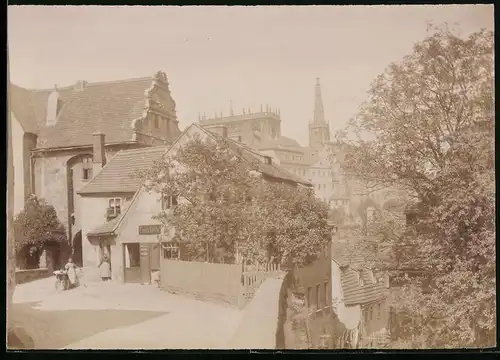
(319, 129)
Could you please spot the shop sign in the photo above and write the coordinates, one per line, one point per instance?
(149, 229)
(144, 250)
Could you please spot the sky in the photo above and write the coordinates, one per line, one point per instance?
(213, 55)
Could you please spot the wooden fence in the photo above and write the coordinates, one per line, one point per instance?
(230, 283)
(253, 276)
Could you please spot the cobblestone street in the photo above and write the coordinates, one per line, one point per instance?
(111, 315)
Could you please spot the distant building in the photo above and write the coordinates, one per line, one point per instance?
(262, 130)
(58, 137)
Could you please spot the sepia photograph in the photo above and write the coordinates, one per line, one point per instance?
(251, 177)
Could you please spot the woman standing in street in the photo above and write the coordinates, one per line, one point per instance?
(105, 267)
(70, 267)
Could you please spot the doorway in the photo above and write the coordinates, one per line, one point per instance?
(77, 249)
(132, 262)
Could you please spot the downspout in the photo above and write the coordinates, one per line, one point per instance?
(32, 173)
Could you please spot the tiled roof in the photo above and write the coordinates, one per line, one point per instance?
(109, 107)
(286, 141)
(21, 106)
(121, 173)
(355, 293)
(106, 228)
(254, 157)
(354, 258)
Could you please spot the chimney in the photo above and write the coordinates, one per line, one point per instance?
(80, 85)
(99, 159)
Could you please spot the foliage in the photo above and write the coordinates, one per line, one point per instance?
(36, 225)
(225, 206)
(428, 129)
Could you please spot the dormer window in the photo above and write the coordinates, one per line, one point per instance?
(114, 209)
(360, 278)
(86, 168)
(54, 105)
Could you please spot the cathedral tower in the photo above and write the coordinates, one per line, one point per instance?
(319, 129)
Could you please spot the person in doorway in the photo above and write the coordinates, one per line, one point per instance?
(105, 267)
(70, 268)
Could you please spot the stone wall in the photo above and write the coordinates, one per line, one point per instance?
(260, 326)
(24, 276)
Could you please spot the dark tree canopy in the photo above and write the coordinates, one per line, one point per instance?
(427, 128)
(35, 226)
(225, 206)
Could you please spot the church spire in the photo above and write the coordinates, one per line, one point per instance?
(319, 113)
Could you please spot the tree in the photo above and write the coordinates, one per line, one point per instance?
(226, 208)
(34, 227)
(427, 128)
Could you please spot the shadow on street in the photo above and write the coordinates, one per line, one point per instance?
(36, 329)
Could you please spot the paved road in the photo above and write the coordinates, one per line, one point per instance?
(117, 316)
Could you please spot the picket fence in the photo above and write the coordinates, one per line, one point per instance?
(253, 276)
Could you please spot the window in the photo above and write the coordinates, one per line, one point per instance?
(371, 313)
(157, 122)
(309, 297)
(378, 311)
(318, 302)
(114, 208)
(365, 313)
(171, 251)
(87, 168)
(168, 201)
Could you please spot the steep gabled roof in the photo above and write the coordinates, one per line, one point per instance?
(259, 160)
(109, 107)
(107, 228)
(21, 106)
(121, 173)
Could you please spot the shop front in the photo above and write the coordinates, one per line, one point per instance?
(141, 258)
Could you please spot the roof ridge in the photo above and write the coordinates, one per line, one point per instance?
(97, 83)
(145, 148)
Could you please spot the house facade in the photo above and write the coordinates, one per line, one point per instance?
(64, 147)
(120, 222)
(359, 297)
